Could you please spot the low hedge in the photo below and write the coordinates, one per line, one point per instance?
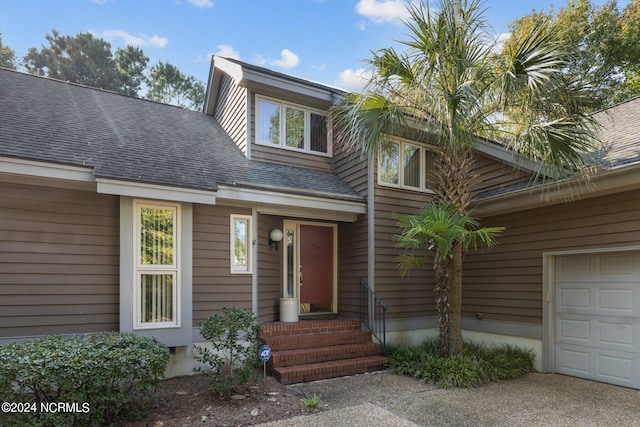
(79, 380)
(477, 365)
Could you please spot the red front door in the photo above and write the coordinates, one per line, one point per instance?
(316, 267)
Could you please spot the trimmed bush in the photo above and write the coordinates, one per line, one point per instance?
(476, 366)
(233, 334)
(79, 380)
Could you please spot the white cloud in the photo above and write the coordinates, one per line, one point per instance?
(501, 39)
(227, 51)
(361, 25)
(353, 80)
(383, 11)
(287, 60)
(201, 3)
(259, 60)
(138, 40)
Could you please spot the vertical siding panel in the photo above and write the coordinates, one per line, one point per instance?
(231, 111)
(59, 261)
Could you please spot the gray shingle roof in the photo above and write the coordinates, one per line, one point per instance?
(621, 133)
(134, 140)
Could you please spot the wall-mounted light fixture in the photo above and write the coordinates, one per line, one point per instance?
(275, 237)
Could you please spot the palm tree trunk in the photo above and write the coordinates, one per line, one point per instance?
(455, 301)
(454, 181)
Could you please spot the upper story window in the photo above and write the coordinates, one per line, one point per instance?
(292, 127)
(404, 165)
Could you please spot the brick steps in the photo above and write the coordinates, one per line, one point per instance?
(332, 369)
(323, 354)
(311, 350)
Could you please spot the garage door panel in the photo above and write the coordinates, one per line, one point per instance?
(614, 332)
(577, 331)
(573, 360)
(621, 334)
(573, 298)
(613, 367)
(573, 268)
(618, 264)
(597, 317)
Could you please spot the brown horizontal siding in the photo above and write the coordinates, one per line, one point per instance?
(353, 244)
(269, 270)
(505, 283)
(410, 296)
(491, 174)
(352, 264)
(59, 268)
(214, 287)
(284, 156)
(351, 167)
(290, 157)
(231, 111)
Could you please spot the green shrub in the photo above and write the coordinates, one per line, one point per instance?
(234, 338)
(477, 365)
(312, 403)
(80, 380)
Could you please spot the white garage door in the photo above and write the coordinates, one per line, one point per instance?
(597, 317)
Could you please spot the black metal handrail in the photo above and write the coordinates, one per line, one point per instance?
(373, 313)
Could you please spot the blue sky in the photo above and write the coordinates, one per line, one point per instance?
(320, 40)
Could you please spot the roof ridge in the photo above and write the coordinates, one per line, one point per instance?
(80, 85)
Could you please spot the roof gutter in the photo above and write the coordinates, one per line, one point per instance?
(623, 178)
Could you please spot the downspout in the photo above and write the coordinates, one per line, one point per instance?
(371, 236)
(254, 249)
(371, 229)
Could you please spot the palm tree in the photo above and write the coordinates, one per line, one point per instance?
(440, 228)
(452, 85)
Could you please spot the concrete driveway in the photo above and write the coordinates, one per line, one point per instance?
(385, 399)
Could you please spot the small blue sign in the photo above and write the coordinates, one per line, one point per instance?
(265, 353)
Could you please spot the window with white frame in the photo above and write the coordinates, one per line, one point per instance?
(240, 244)
(404, 165)
(292, 127)
(157, 265)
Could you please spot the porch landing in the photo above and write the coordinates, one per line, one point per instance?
(310, 350)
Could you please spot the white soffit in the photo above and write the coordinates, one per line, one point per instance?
(293, 205)
(46, 170)
(153, 191)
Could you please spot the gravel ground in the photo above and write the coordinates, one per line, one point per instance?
(385, 399)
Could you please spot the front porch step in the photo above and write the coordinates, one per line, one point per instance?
(277, 329)
(311, 350)
(323, 354)
(331, 369)
(320, 339)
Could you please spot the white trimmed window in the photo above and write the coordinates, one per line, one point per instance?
(292, 127)
(240, 239)
(157, 265)
(404, 165)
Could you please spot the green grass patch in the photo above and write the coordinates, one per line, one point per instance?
(476, 366)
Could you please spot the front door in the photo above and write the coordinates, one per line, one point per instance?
(312, 258)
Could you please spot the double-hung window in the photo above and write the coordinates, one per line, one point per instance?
(292, 127)
(157, 265)
(404, 165)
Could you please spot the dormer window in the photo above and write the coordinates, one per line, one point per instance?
(292, 127)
